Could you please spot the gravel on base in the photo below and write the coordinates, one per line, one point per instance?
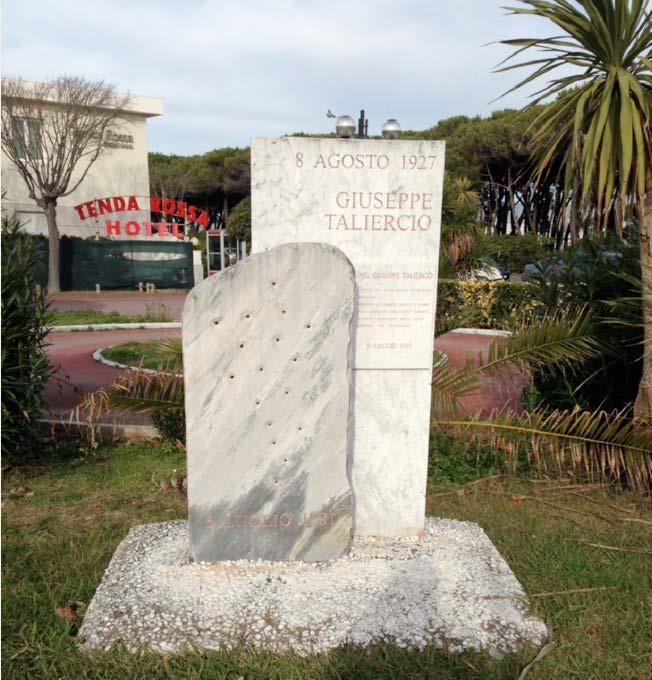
(449, 588)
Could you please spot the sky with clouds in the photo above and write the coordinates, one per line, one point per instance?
(229, 70)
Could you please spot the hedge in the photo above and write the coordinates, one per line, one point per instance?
(486, 304)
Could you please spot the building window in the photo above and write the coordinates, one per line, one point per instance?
(27, 138)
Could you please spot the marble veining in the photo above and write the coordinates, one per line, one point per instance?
(268, 354)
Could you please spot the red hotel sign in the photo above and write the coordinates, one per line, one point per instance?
(120, 204)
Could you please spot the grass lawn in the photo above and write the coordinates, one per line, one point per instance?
(146, 354)
(61, 529)
(91, 316)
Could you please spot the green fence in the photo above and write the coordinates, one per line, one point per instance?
(121, 265)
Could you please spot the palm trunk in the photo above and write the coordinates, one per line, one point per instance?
(225, 212)
(512, 205)
(575, 209)
(50, 209)
(643, 404)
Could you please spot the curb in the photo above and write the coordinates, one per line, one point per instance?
(124, 430)
(481, 331)
(114, 326)
(98, 356)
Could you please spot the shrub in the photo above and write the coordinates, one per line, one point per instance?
(487, 304)
(460, 459)
(25, 365)
(516, 251)
(610, 287)
(239, 222)
(171, 423)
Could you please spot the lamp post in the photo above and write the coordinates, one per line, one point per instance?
(363, 126)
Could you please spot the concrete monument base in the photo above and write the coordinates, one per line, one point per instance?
(450, 588)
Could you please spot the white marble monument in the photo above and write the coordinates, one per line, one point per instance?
(379, 201)
(268, 358)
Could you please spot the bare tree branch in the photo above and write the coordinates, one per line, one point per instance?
(53, 132)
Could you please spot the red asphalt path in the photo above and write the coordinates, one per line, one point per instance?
(128, 303)
(78, 373)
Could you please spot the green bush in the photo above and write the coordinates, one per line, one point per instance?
(239, 222)
(610, 287)
(171, 423)
(486, 304)
(517, 250)
(459, 459)
(25, 365)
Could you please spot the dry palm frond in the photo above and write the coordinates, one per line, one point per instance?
(460, 243)
(594, 444)
(146, 392)
(172, 349)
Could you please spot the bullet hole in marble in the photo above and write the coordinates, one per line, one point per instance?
(247, 316)
(273, 283)
(307, 325)
(299, 428)
(277, 339)
(282, 311)
(261, 369)
(274, 442)
(217, 322)
(257, 402)
(276, 481)
(231, 377)
(269, 423)
(285, 460)
(295, 360)
(241, 345)
(287, 392)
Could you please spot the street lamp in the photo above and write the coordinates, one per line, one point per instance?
(391, 129)
(346, 128)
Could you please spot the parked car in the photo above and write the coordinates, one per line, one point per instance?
(488, 270)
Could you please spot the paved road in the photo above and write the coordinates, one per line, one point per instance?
(79, 374)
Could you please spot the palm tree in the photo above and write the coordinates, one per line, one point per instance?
(460, 226)
(599, 120)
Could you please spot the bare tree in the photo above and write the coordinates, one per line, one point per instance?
(53, 132)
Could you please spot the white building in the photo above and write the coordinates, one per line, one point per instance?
(121, 170)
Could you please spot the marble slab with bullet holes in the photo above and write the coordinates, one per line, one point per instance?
(267, 349)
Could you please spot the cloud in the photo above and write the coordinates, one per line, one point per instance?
(229, 70)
